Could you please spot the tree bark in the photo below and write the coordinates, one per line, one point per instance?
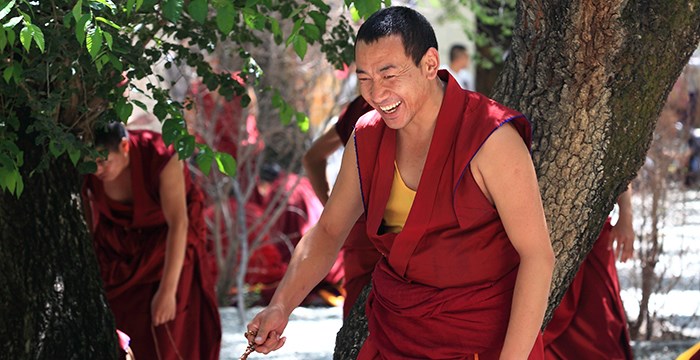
(592, 76)
(53, 305)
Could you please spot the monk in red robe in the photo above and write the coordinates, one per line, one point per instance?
(590, 321)
(358, 254)
(148, 230)
(265, 264)
(451, 199)
(301, 212)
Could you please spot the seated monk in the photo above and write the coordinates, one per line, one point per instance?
(301, 212)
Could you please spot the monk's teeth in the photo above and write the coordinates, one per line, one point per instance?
(391, 108)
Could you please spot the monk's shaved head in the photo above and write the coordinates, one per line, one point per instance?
(414, 29)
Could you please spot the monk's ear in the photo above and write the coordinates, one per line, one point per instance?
(124, 146)
(430, 63)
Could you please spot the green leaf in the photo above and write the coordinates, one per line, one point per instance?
(172, 9)
(7, 73)
(124, 110)
(87, 167)
(354, 14)
(225, 17)
(286, 114)
(13, 22)
(172, 130)
(20, 184)
(11, 37)
(108, 39)
(107, 3)
(275, 29)
(365, 8)
(300, 46)
(74, 155)
(94, 41)
(56, 148)
(108, 22)
(5, 10)
(302, 121)
(25, 37)
(204, 160)
(312, 32)
(185, 146)
(277, 100)
(38, 36)
(139, 3)
(11, 181)
(226, 163)
(160, 110)
(318, 18)
(198, 10)
(321, 5)
(130, 6)
(140, 104)
(77, 10)
(245, 100)
(3, 39)
(81, 28)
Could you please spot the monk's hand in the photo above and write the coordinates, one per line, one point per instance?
(163, 307)
(267, 327)
(622, 240)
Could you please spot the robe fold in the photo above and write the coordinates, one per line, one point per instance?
(130, 241)
(590, 321)
(359, 254)
(444, 286)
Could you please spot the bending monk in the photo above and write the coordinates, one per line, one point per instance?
(450, 195)
(148, 231)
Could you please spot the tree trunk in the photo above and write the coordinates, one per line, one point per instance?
(592, 76)
(53, 305)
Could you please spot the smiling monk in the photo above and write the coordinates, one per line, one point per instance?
(450, 195)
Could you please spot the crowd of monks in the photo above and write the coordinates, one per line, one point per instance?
(148, 217)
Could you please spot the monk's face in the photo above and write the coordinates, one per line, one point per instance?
(391, 81)
(109, 168)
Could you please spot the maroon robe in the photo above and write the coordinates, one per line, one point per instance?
(129, 241)
(358, 253)
(444, 287)
(265, 265)
(590, 321)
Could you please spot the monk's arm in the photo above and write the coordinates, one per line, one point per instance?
(313, 256)
(174, 205)
(623, 231)
(316, 159)
(508, 175)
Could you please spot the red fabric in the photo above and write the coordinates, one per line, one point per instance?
(348, 118)
(438, 292)
(129, 242)
(265, 265)
(359, 255)
(591, 323)
(696, 356)
(303, 209)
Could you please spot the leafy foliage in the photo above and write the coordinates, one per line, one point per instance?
(66, 66)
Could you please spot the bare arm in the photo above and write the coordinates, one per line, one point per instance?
(622, 234)
(505, 171)
(313, 256)
(174, 205)
(316, 159)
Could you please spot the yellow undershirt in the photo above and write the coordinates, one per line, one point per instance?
(399, 204)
